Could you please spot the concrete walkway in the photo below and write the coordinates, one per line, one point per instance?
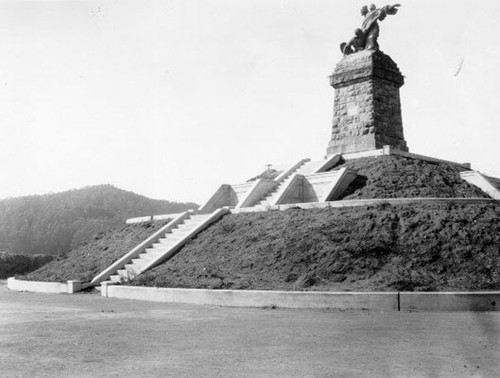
(87, 335)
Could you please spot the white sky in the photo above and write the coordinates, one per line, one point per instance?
(172, 98)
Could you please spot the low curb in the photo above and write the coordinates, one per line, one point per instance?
(258, 298)
(345, 300)
(380, 301)
(69, 287)
(450, 301)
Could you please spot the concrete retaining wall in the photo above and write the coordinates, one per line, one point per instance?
(44, 287)
(328, 185)
(226, 195)
(450, 301)
(250, 298)
(379, 301)
(290, 193)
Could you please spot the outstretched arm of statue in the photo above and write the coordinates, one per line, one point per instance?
(391, 9)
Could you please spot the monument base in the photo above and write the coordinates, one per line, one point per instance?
(364, 143)
(367, 108)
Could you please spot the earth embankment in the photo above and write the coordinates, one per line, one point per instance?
(408, 247)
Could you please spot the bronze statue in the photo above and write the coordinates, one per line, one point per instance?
(366, 37)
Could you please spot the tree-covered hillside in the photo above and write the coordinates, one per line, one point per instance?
(56, 223)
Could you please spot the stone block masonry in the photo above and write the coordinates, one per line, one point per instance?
(367, 106)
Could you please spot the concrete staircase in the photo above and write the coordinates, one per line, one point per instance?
(305, 167)
(304, 181)
(270, 197)
(327, 186)
(264, 192)
(158, 248)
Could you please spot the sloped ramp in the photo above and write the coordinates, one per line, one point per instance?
(159, 247)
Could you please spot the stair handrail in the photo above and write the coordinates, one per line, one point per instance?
(137, 250)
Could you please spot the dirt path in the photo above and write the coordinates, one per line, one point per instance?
(87, 335)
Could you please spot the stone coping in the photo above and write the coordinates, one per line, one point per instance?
(378, 301)
(389, 150)
(365, 202)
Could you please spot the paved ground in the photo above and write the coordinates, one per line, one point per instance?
(87, 335)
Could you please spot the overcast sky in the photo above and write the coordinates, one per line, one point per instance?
(172, 98)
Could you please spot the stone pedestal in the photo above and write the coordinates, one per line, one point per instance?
(367, 107)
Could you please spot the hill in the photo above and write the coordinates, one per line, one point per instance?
(406, 247)
(411, 247)
(388, 247)
(57, 223)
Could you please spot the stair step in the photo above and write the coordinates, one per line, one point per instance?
(185, 226)
(269, 197)
(122, 272)
(134, 266)
(198, 220)
(141, 260)
(116, 278)
(146, 259)
(161, 248)
(148, 256)
(201, 217)
(180, 233)
(152, 256)
(170, 242)
(166, 240)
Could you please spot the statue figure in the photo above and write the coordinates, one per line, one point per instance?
(355, 44)
(366, 37)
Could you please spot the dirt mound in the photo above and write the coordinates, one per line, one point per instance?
(399, 177)
(407, 247)
(85, 262)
